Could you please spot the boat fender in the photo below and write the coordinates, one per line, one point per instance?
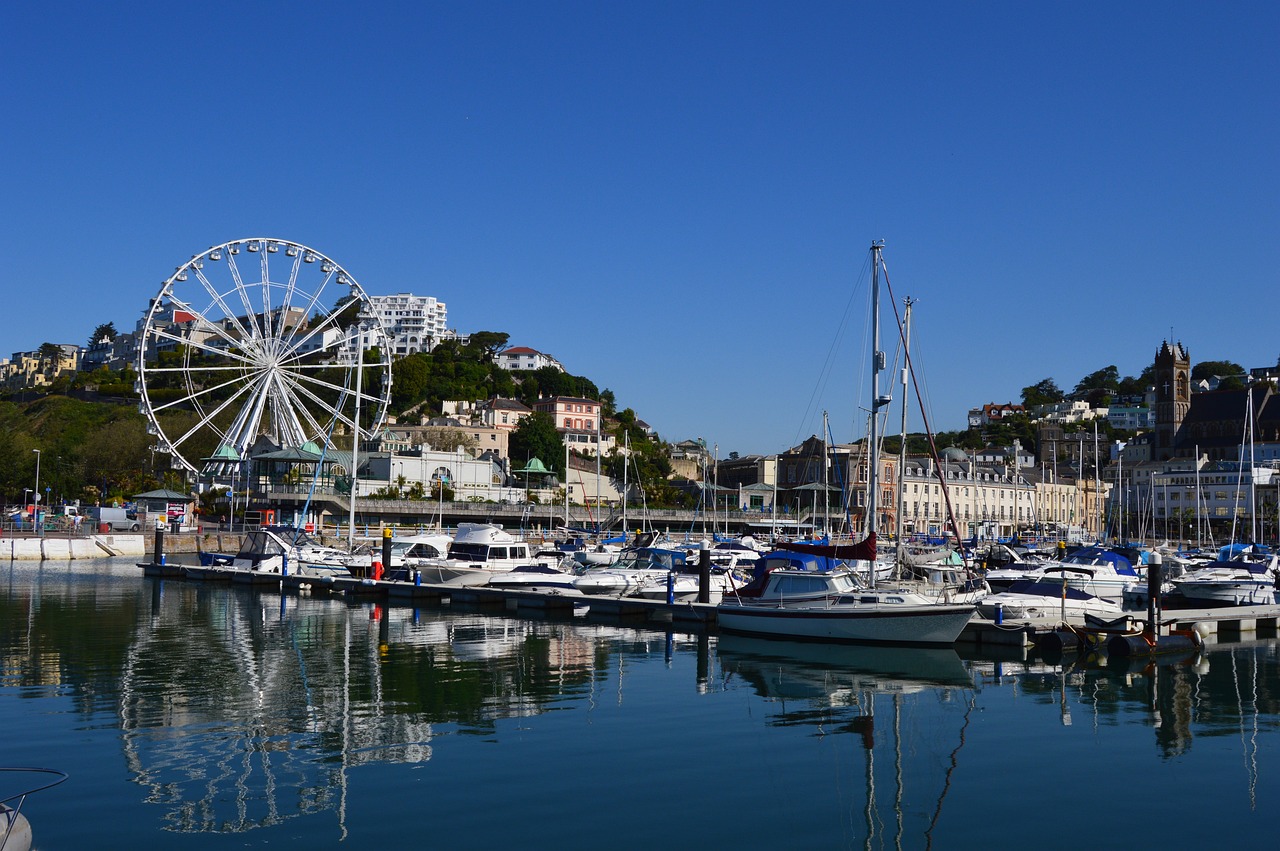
(15, 830)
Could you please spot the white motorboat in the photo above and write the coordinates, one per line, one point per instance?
(1013, 566)
(477, 552)
(264, 555)
(685, 585)
(1240, 582)
(1031, 599)
(407, 554)
(544, 575)
(636, 567)
(1093, 570)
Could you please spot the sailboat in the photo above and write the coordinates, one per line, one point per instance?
(835, 605)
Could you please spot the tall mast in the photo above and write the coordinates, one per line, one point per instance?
(626, 459)
(826, 530)
(877, 399)
(1253, 482)
(877, 364)
(902, 432)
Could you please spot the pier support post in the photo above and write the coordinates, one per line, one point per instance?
(158, 553)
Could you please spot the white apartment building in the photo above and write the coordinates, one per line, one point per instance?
(413, 323)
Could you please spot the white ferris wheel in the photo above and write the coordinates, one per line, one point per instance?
(260, 338)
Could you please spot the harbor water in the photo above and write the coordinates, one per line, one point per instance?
(207, 716)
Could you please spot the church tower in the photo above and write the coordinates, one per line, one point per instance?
(1173, 396)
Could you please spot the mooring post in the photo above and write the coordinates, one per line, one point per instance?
(704, 572)
(386, 551)
(1155, 570)
(159, 551)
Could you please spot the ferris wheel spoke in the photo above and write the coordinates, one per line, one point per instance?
(295, 406)
(267, 324)
(286, 304)
(221, 303)
(199, 368)
(207, 419)
(338, 414)
(256, 332)
(329, 385)
(289, 343)
(293, 344)
(197, 394)
(161, 333)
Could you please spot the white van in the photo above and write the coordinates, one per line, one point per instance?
(115, 519)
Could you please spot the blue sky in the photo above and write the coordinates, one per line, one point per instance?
(675, 199)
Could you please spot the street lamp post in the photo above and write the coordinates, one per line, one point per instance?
(36, 496)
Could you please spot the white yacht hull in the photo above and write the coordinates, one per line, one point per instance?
(449, 574)
(936, 625)
(1227, 593)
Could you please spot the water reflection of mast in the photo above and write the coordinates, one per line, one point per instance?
(1249, 747)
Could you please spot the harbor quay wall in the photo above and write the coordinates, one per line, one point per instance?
(62, 548)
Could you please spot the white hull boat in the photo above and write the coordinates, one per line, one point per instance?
(1231, 583)
(1030, 599)
(836, 606)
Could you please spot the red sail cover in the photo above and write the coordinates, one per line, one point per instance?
(866, 551)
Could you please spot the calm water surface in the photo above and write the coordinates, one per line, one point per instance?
(206, 716)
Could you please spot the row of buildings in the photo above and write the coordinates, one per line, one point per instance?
(412, 323)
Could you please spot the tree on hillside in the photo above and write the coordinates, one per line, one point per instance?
(549, 381)
(1097, 388)
(488, 344)
(1130, 386)
(1107, 378)
(1043, 392)
(608, 402)
(1210, 368)
(536, 437)
(105, 331)
(410, 378)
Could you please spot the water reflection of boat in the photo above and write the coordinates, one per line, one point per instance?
(797, 669)
(844, 689)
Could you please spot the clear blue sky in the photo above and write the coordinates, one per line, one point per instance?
(675, 199)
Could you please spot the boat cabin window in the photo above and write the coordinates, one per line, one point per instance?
(497, 552)
(420, 550)
(800, 585)
(468, 552)
(261, 545)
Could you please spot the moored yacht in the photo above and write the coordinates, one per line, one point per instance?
(1240, 582)
(833, 605)
(476, 553)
